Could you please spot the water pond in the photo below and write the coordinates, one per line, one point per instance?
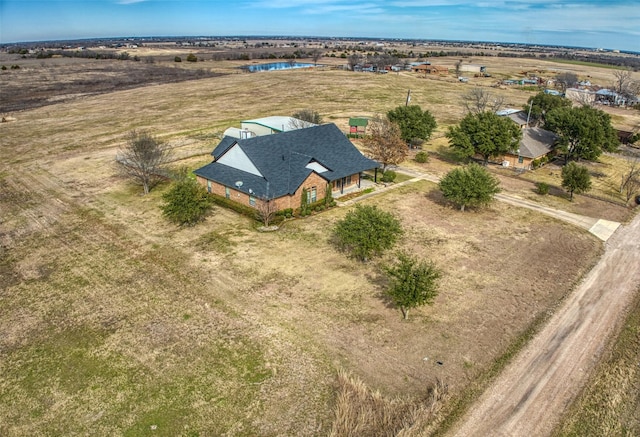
(276, 66)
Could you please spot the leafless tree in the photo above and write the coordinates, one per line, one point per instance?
(353, 60)
(585, 98)
(567, 80)
(143, 158)
(458, 66)
(384, 143)
(624, 84)
(266, 210)
(630, 183)
(316, 54)
(479, 100)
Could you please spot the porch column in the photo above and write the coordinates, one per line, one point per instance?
(375, 175)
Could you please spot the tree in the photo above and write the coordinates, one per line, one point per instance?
(486, 134)
(186, 202)
(305, 118)
(472, 186)
(353, 60)
(575, 178)
(266, 210)
(384, 143)
(143, 158)
(192, 58)
(583, 132)
(480, 100)
(458, 67)
(624, 84)
(367, 231)
(316, 54)
(566, 80)
(630, 183)
(413, 283)
(414, 123)
(539, 105)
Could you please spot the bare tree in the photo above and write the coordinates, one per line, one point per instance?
(353, 60)
(266, 210)
(458, 66)
(630, 183)
(143, 158)
(567, 80)
(305, 118)
(316, 54)
(624, 84)
(384, 143)
(622, 81)
(479, 100)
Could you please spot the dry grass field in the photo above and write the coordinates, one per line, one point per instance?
(116, 322)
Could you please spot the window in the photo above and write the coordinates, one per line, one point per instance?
(252, 201)
(227, 192)
(313, 195)
(209, 186)
(348, 180)
(520, 159)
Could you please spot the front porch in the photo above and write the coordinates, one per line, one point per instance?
(364, 184)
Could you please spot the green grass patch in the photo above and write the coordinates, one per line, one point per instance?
(584, 63)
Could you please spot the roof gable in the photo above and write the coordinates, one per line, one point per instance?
(236, 158)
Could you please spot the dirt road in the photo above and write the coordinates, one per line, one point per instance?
(531, 395)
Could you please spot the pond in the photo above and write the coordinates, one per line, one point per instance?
(276, 66)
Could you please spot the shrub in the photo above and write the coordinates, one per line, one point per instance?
(177, 59)
(15, 67)
(186, 202)
(192, 58)
(4, 67)
(422, 157)
(367, 231)
(388, 176)
(543, 188)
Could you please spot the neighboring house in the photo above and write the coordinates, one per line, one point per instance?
(279, 167)
(518, 116)
(536, 143)
(585, 97)
(436, 69)
(473, 68)
(272, 125)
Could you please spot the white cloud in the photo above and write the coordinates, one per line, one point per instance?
(129, 2)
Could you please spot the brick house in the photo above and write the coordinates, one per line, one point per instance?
(536, 143)
(278, 167)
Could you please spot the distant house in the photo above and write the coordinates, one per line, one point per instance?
(535, 144)
(278, 167)
(436, 69)
(473, 68)
(518, 116)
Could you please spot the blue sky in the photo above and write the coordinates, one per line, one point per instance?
(613, 24)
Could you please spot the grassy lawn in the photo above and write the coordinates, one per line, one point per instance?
(116, 322)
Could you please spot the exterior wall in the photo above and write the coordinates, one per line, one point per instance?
(314, 180)
(513, 161)
(335, 185)
(284, 202)
(258, 129)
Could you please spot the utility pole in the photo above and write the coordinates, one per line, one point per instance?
(408, 98)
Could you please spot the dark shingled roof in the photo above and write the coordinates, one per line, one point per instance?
(282, 159)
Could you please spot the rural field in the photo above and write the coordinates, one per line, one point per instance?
(117, 322)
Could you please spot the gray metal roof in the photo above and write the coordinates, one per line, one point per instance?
(282, 159)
